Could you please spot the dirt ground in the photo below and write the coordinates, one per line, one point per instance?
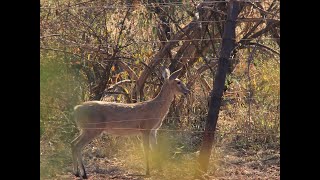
(232, 164)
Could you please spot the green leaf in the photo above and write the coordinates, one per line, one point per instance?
(154, 31)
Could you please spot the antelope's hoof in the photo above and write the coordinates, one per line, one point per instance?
(84, 176)
(76, 174)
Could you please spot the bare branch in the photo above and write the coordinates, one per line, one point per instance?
(59, 50)
(199, 71)
(119, 83)
(269, 27)
(263, 46)
(257, 19)
(261, 10)
(125, 67)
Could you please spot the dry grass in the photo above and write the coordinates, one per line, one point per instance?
(123, 158)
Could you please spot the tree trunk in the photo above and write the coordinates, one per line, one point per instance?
(228, 44)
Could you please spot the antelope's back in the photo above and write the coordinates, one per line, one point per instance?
(99, 114)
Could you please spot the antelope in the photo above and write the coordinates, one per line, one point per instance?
(142, 118)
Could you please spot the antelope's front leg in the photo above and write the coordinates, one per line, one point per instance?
(146, 146)
(153, 140)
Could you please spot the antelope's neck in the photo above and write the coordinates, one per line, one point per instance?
(164, 99)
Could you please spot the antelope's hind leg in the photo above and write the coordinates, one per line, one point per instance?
(83, 139)
(74, 155)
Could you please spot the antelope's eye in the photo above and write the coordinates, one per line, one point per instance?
(178, 82)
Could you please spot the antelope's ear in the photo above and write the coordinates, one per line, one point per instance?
(175, 74)
(165, 73)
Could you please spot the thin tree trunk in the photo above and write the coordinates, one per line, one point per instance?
(228, 44)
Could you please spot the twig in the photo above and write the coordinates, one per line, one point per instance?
(51, 35)
(119, 83)
(59, 50)
(265, 47)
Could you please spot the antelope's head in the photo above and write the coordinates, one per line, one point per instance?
(175, 84)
